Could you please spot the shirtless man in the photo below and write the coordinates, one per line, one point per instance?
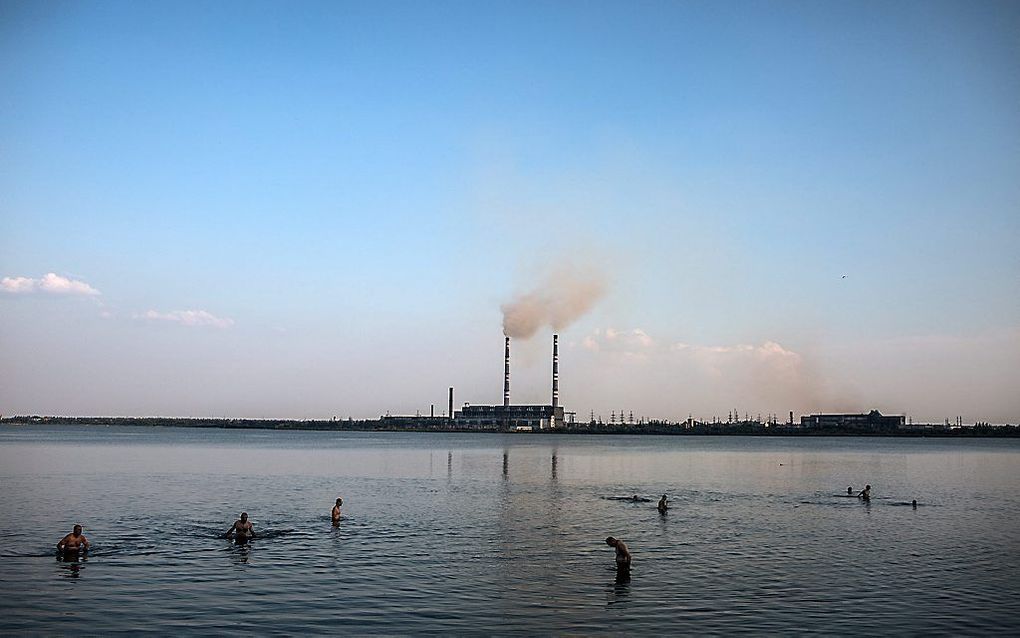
(622, 553)
(335, 514)
(73, 542)
(241, 530)
(865, 494)
(663, 505)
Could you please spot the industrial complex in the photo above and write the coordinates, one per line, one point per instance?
(551, 417)
(506, 417)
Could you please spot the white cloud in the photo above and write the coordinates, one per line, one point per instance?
(50, 283)
(627, 342)
(188, 318)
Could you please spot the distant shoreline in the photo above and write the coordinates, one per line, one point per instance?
(433, 424)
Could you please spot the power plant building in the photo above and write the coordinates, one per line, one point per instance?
(873, 420)
(513, 417)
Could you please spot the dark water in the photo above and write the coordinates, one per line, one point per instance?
(505, 534)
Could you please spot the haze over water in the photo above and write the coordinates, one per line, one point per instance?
(505, 533)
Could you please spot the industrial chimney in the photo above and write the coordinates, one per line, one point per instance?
(451, 402)
(506, 376)
(556, 371)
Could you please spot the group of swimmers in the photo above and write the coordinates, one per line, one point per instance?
(243, 531)
(623, 556)
(865, 495)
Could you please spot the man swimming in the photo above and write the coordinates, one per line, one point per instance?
(241, 530)
(865, 494)
(663, 505)
(73, 542)
(622, 553)
(335, 514)
(850, 490)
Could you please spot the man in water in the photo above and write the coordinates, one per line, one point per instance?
(850, 490)
(622, 553)
(865, 494)
(663, 505)
(335, 514)
(241, 530)
(73, 542)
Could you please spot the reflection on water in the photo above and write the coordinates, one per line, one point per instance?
(510, 538)
(620, 588)
(71, 563)
(241, 552)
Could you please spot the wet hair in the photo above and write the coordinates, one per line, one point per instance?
(610, 540)
(77, 526)
(339, 501)
(867, 487)
(244, 514)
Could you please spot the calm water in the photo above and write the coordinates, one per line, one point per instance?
(448, 533)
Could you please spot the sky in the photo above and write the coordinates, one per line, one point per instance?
(307, 210)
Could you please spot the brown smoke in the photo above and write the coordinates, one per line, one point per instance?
(567, 294)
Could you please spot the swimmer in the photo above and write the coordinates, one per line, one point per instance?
(663, 505)
(73, 542)
(335, 514)
(622, 553)
(913, 503)
(865, 494)
(850, 490)
(241, 530)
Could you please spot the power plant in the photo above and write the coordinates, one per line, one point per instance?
(515, 417)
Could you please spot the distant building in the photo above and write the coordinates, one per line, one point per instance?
(416, 422)
(509, 417)
(873, 420)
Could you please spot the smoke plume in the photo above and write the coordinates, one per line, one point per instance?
(565, 295)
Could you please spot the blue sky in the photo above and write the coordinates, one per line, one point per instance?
(308, 209)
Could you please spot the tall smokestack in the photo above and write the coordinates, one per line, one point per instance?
(506, 376)
(450, 413)
(556, 371)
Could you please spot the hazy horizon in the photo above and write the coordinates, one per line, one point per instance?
(316, 209)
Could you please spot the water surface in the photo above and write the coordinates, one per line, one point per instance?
(505, 533)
